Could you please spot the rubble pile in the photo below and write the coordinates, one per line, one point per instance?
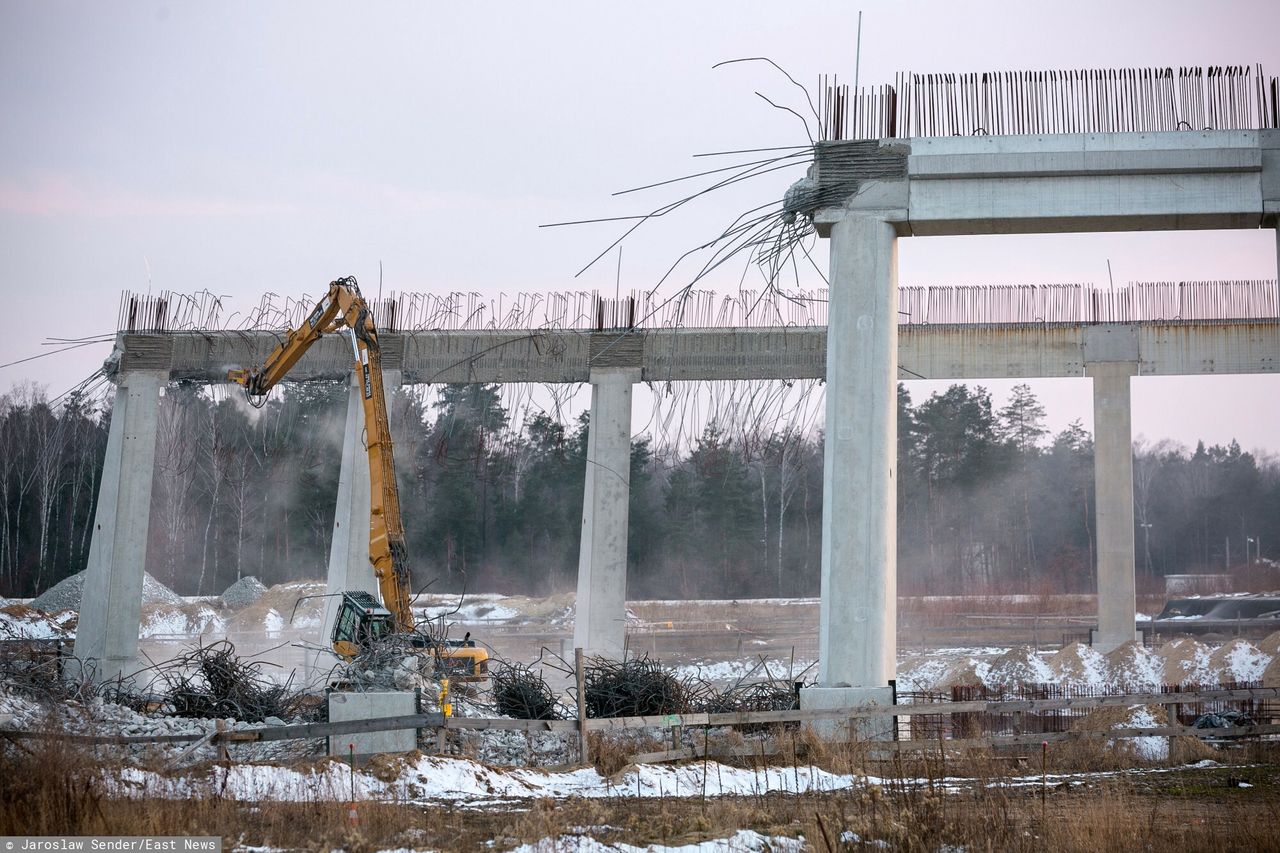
(298, 605)
(396, 662)
(99, 716)
(242, 593)
(1271, 675)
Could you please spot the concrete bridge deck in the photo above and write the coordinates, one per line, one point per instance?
(951, 351)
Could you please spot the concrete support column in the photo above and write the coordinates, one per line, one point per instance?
(858, 627)
(349, 566)
(600, 624)
(1113, 503)
(111, 605)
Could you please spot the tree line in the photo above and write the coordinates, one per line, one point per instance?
(988, 500)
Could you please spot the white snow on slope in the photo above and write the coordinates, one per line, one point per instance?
(29, 624)
(1155, 748)
(435, 778)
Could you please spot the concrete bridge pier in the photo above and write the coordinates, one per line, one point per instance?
(1113, 503)
(349, 566)
(858, 616)
(111, 605)
(600, 624)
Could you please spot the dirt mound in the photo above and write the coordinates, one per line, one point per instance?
(923, 672)
(242, 593)
(1239, 660)
(274, 610)
(193, 619)
(65, 595)
(1152, 748)
(20, 622)
(1134, 666)
(1271, 676)
(1079, 664)
(965, 672)
(1270, 645)
(1019, 665)
(1187, 661)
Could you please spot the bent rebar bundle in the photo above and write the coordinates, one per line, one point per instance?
(1141, 100)
(1144, 301)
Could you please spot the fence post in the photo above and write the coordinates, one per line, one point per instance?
(581, 679)
(224, 754)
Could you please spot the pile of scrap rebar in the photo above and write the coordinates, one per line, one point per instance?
(38, 669)
(213, 682)
(521, 693)
(638, 687)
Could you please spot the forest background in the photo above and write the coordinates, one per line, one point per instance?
(988, 501)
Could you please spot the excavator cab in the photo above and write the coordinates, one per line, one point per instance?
(361, 621)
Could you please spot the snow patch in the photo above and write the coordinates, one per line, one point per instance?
(436, 778)
(1239, 660)
(1153, 748)
(742, 841)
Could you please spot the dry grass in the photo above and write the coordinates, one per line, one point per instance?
(915, 804)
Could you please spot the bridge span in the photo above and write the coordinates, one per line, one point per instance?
(863, 195)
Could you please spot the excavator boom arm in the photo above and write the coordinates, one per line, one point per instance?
(344, 309)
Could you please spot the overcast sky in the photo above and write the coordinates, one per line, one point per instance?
(251, 147)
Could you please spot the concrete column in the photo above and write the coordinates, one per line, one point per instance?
(349, 566)
(858, 617)
(600, 624)
(111, 605)
(1113, 503)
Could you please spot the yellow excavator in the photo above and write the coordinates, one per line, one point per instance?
(361, 619)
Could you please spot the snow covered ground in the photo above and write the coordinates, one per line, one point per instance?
(278, 615)
(433, 779)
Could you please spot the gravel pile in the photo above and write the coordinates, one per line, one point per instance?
(242, 593)
(98, 716)
(65, 595)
